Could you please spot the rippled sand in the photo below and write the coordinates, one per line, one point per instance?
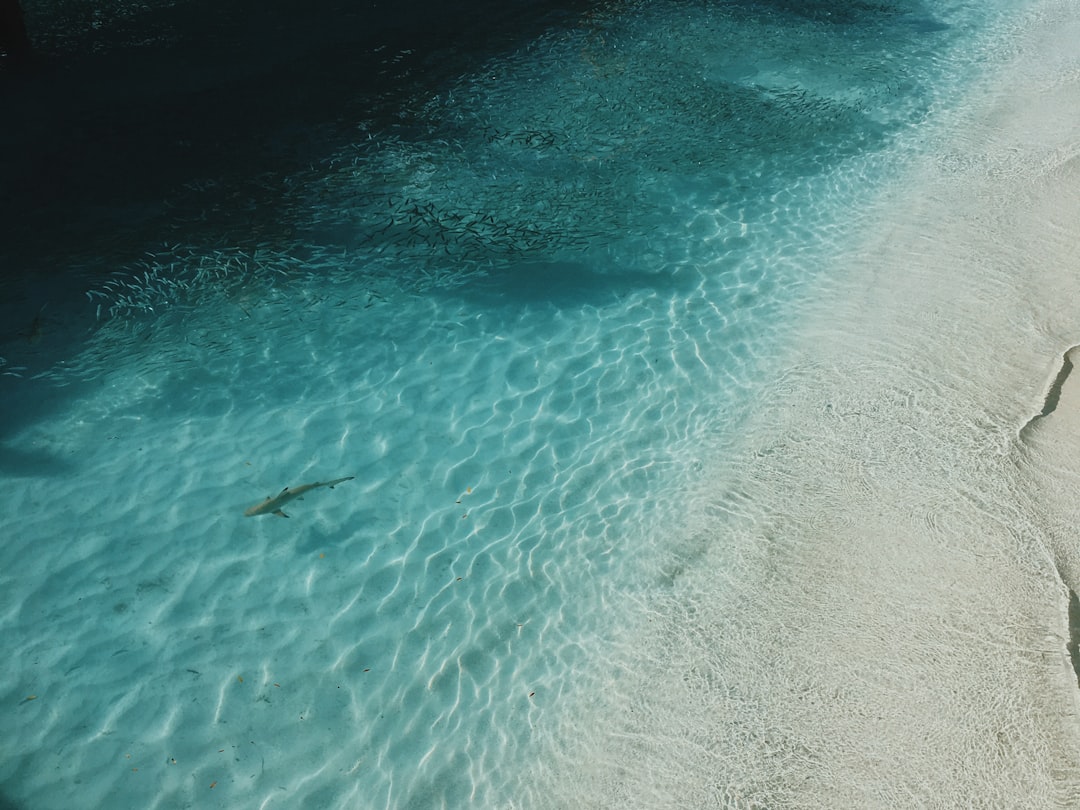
(878, 614)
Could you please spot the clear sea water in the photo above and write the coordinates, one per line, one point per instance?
(525, 291)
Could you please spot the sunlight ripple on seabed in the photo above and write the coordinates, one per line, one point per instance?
(541, 314)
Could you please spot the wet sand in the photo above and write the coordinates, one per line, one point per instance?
(891, 630)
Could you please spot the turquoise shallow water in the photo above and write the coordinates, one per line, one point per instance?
(526, 313)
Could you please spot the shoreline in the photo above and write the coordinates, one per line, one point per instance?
(879, 620)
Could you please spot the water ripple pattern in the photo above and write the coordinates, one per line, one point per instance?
(529, 308)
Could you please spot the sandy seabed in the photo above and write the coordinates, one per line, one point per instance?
(864, 607)
(882, 618)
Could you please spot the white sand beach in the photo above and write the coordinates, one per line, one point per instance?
(879, 615)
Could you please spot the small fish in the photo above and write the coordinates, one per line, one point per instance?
(34, 331)
(272, 506)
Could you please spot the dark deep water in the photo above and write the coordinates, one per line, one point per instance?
(126, 104)
(143, 125)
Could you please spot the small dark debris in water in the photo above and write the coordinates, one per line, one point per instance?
(33, 334)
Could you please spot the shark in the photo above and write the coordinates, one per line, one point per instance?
(272, 505)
